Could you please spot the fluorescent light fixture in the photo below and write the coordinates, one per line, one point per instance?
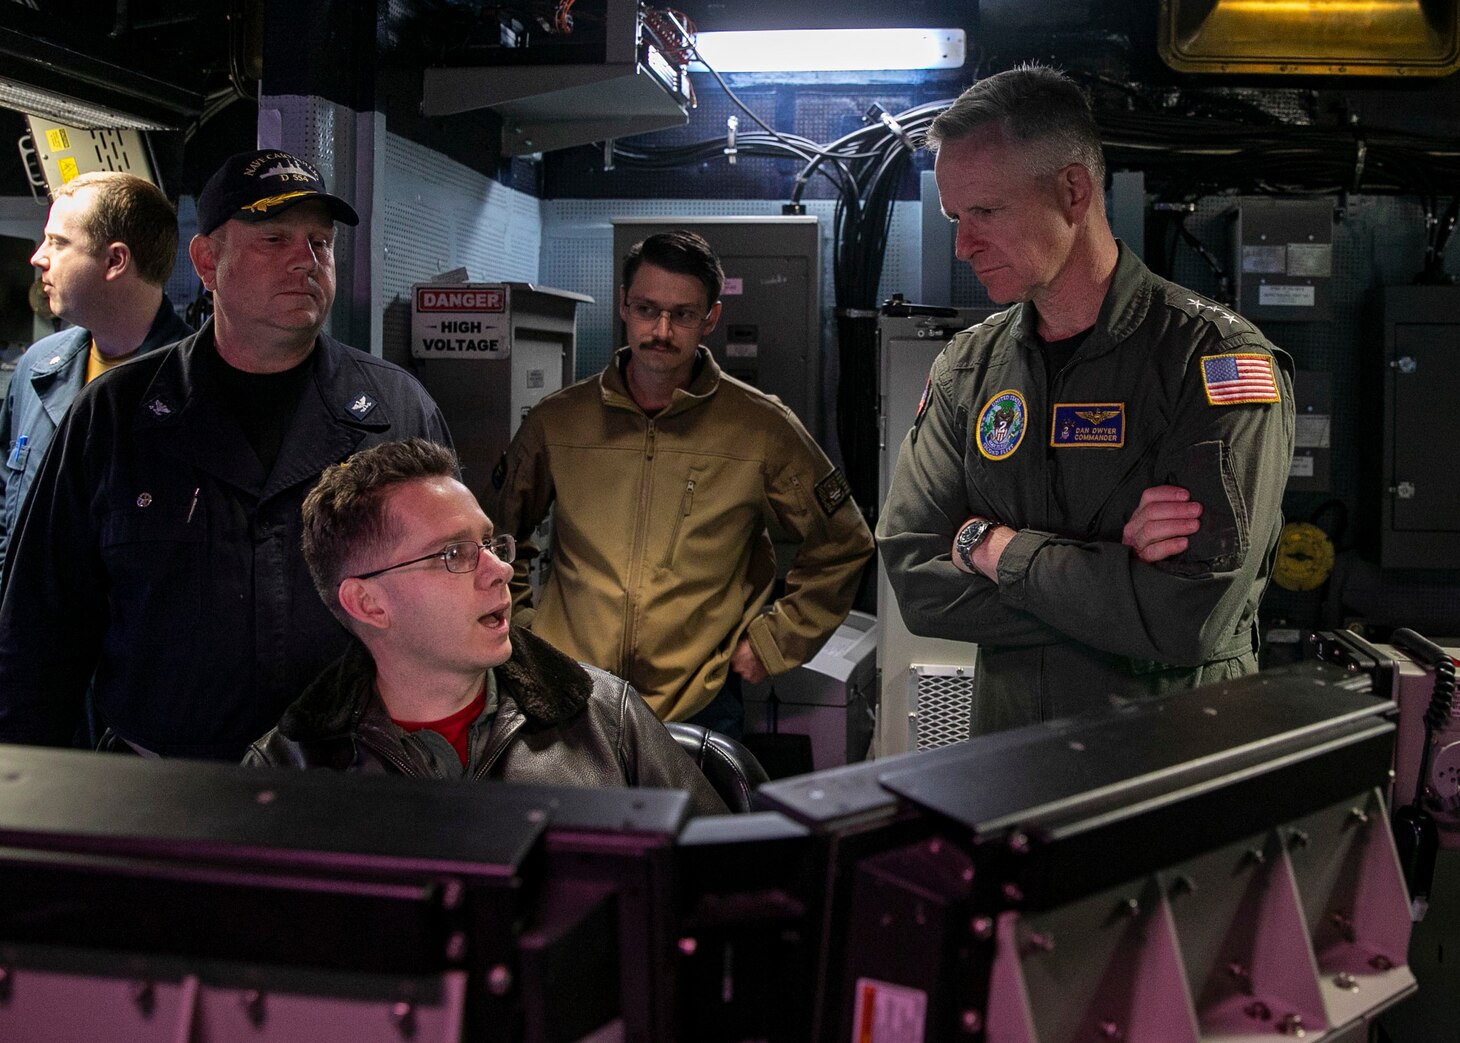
(832, 50)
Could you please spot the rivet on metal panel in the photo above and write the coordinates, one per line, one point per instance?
(1346, 981)
(1292, 1025)
(1297, 838)
(451, 893)
(688, 945)
(499, 980)
(1241, 975)
(1380, 962)
(1039, 942)
(1255, 856)
(144, 995)
(1258, 1011)
(1110, 1029)
(1129, 907)
(403, 1017)
(1013, 892)
(1019, 842)
(982, 927)
(1183, 885)
(252, 1002)
(972, 1021)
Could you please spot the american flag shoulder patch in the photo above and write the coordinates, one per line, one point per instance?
(1233, 380)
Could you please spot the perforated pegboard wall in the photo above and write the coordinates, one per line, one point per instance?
(306, 125)
(182, 286)
(577, 254)
(439, 215)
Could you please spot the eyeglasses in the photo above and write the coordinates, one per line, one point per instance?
(460, 557)
(688, 318)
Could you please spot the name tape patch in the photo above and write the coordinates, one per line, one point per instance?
(1088, 424)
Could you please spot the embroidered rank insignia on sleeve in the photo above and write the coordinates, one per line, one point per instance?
(1088, 424)
(1000, 425)
(833, 491)
(1234, 380)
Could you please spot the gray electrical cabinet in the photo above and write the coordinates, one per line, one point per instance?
(926, 695)
(1283, 259)
(1419, 523)
(487, 353)
(769, 334)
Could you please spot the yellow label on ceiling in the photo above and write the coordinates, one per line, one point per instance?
(68, 168)
(58, 139)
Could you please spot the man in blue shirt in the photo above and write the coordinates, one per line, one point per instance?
(110, 244)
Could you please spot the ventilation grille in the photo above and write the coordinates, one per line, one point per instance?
(940, 705)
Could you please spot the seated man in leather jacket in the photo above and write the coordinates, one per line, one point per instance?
(437, 684)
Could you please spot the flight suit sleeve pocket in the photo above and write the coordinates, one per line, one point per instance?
(1220, 544)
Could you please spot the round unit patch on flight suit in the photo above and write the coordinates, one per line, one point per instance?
(1000, 426)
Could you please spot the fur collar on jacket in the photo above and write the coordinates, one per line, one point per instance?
(547, 686)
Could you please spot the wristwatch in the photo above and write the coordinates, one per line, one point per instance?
(970, 537)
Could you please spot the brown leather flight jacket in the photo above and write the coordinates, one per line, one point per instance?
(558, 723)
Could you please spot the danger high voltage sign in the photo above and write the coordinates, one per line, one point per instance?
(460, 321)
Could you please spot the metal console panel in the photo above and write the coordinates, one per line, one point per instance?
(170, 900)
(1211, 865)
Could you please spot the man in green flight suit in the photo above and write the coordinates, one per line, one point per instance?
(1092, 488)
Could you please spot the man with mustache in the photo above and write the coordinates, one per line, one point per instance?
(667, 474)
(159, 549)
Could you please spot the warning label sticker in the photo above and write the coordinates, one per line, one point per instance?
(887, 1013)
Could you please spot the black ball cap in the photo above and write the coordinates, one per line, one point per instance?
(259, 185)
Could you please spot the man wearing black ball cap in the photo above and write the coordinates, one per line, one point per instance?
(167, 565)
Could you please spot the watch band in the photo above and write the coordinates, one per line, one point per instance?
(970, 537)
